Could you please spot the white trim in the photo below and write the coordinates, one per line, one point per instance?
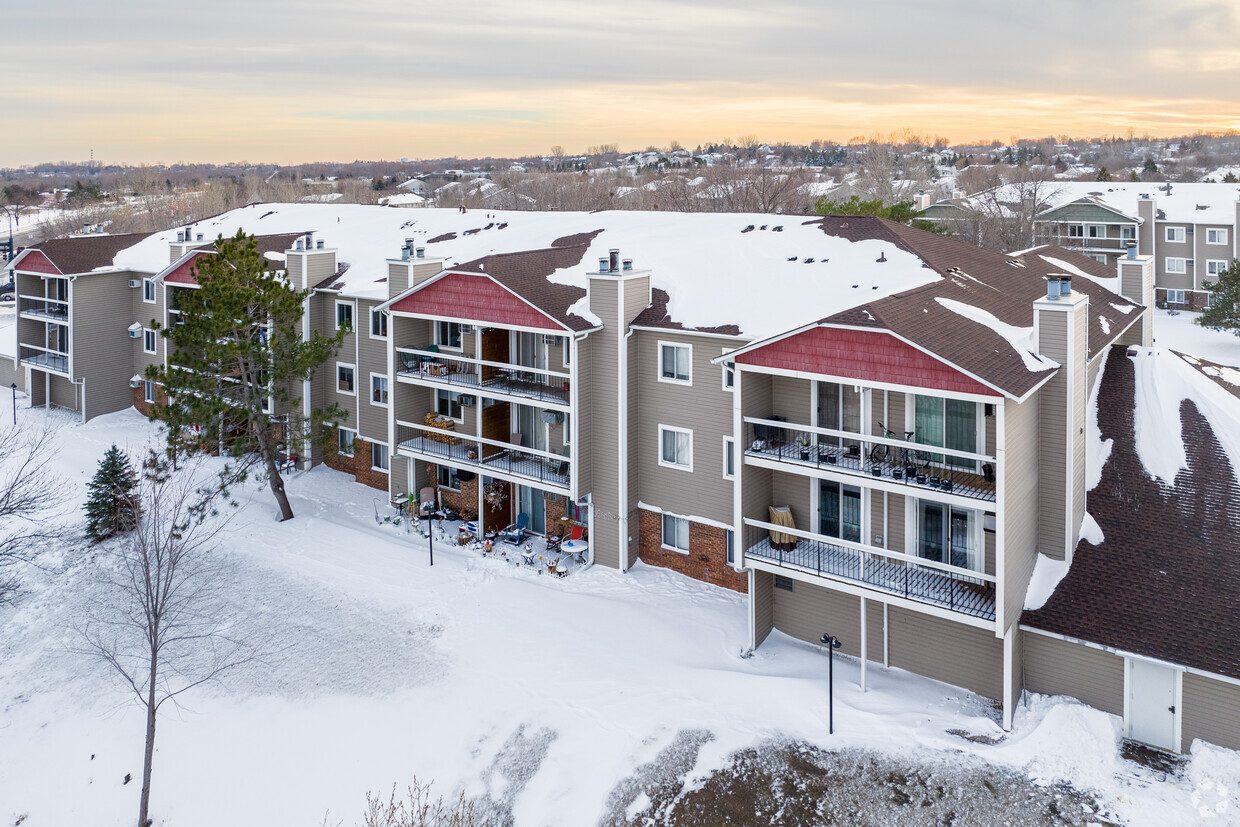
(384, 446)
(149, 283)
(678, 466)
(375, 312)
(352, 305)
(674, 380)
(148, 391)
(689, 332)
(387, 390)
(1216, 230)
(645, 506)
(559, 326)
(352, 442)
(352, 367)
(662, 524)
(1177, 696)
(1225, 264)
(460, 348)
(146, 331)
(458, 396)
(728, 370)
(887, 386)
(1170, 233)
(729, 452)
(1181, 262)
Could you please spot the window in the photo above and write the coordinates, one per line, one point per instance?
(148, 340)
(1177, 265)
(1076, 231)
(729, 374)
(1175, 234)
(378, 389)
(674, 363)
(1215, 267)
(1216, 236)
(1128, 232)
(1176, 297)
(783, 582)
(568, 430)
(448, 334)
(568, 351)
(148, 391)
(676, 448)
(148, 291)
(344, 315)
(344, 378)
(675, 533)
(730, 542)
(1209, 299)
(379, 456)
(1097, 231)
(729, 458)
(378, 324)
(946, 423)
(839, 511)
(448, 403)
(344, 441)
(446, 477)
(1101, 258)
(945, 535)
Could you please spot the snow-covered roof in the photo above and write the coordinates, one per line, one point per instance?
(1191, 203)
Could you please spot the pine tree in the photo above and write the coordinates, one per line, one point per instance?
(112, 507)
(1224, 310)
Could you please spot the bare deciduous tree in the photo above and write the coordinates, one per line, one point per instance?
(417, 809)
(29, 494)
(161, 627)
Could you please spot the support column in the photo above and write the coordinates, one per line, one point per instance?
(865, 651)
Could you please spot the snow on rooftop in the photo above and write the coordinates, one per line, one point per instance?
(1178, 330)
(714, 274)
(1188, 203)
(1020, 338)
(1070, 269)
(1163, 380)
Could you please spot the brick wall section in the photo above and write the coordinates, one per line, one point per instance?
(707, 559)
(464, 501)
(555, 510)
(1194, 300)
(357, 465)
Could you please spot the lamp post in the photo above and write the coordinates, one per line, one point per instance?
(430, 531)
(832, 643)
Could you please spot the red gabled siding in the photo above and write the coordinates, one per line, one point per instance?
(477, 298)
(865, 355)
(185, 273)
(35, 261)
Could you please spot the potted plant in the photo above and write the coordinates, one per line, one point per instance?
(803, 442)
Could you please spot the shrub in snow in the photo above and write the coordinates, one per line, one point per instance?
(111, 507)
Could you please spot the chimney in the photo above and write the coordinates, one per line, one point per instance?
(1136, 283)
(1147, 233)
(1061, 328)
(310, 240)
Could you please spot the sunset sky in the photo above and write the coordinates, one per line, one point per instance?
(277, 81)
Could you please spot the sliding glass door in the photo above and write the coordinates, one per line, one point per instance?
(839, 511)
(945, 535)
(947, 423)
(530, 501)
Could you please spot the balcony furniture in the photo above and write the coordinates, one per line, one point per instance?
(410, 362)
(577, 549)
(782, 516)
(527, 556)
(516, 532)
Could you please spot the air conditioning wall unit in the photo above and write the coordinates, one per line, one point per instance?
(549, 339)
(466, 401)
(135, 282)
(135, 330)
(466, 329)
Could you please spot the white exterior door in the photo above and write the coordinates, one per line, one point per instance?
(1152, 704)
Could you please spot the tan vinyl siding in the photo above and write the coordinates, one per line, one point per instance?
(101, 349)
(896, 505)
(1020, 503)
(583, 472)
(398, 477)
(398, 278)
(808, 612)
(790, 398)
(874, 630)
(946, 651)
(1052, 451)
(372, 358)
(1211, 711)
(602, 412)
(320, 265)
(1080, 402)
(703, 407)
(1057, 667)
(67, 395)
(878, 522)
(762, 604)
(636, 299)
(795, 491)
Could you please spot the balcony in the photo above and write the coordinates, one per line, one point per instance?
(904, 575)
(466, 373)
(920, 467)
(43, 308)
(44, 358)
(489, 456)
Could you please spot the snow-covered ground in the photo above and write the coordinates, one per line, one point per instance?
(1179, 330)
(541, 694)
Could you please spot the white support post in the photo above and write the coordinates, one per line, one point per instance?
(886, 651)
(864, 648)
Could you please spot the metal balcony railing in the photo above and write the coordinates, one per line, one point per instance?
(917, 466)
(488, 455)
(53, 309)
(446, 368)
(41, 357)
(925, 581)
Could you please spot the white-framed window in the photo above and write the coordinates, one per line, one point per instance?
(1127, 232)
(1101, 258)
(378, 389)
(1175, 264)
(344, 315)
(1209, 299)
(344, 379)
(148, 291)
(148, 391)
(448, 335)
(446, 476)
(1176, 297)
(1216, 235)
(344, 441)
(568, 351)
(730, 543)
(378, 324)
(729, 458)
(676, 447)
(448, 403)
(1097, 231)
(675, 363)
(379, 457)
(1174, 234)
(148, 340)
(954, 424)
(675, 534)
(1076, 231)
(729, 374)
(1215, 267)
(568, 430)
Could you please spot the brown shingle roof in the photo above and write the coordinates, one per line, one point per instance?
(1165, 582)
(984, 279)
(86, 253)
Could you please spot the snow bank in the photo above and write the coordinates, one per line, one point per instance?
(1097, 449)
(1045, 579)
(1091, 532)
(1181, 332)
(1163, 380)
(1054, 738)
(1020, 338)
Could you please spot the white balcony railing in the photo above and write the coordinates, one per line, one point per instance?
(447, 368)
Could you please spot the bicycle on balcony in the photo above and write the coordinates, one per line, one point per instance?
(882, 452)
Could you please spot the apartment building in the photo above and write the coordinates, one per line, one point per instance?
(1188, 229)
(871, 431)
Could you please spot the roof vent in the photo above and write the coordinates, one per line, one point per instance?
(301, 244)
(1132, 250)
(318, 245)
(627, 264)
(421, 252)
(602, 264)
(1057, 286)
(180, 236)
(881, 257)
(309, 240)
(199, 237)
(404, 253)
(613, 260)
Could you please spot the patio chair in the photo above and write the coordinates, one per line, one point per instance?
(516, 532)
(410, 362)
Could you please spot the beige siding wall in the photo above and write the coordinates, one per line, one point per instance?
(1080, 403)
(896, 506)
(762, 604)
(636, 294)
(1211, 712)
(147, 314)
(1057, 667)
(371, 358)
(1020, 503)
(703, 407)
(102, 351)
(808, 612)
(398, 278)
(795, 491)
(951, 652)
(583, 472)
(601, 409)
(319, 265)
(790, 398)
(1052, 454)
(398, 477)
(66, 394)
